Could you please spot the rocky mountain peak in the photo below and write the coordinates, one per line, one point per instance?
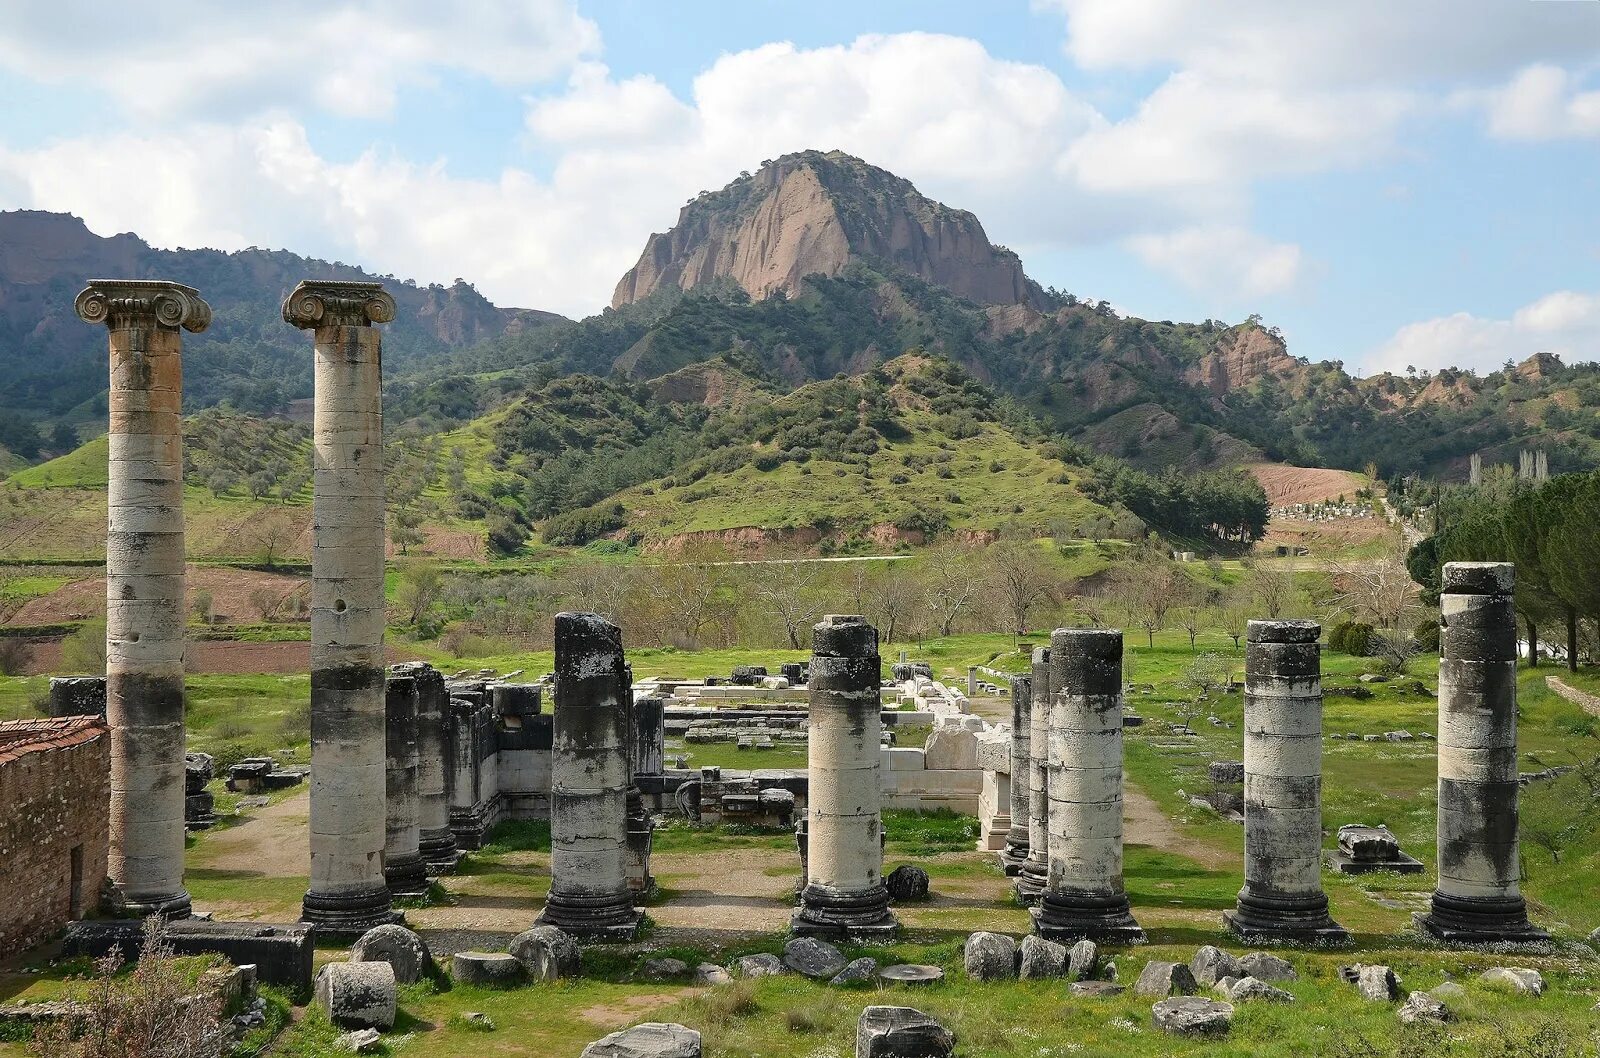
(814, 212)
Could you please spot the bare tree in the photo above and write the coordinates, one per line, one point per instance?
(600, 587)
(419, 590)
(950, 574)
(894, 598)
(691, 589)
(1271, 589)
(1148, 589)
(1382, 592)
(788, 591)
(1021, 574)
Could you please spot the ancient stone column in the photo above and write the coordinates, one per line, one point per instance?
(404, 869)
(347, 893)
(1478, 900)
(641, 828)
(1035, 870)
(145, 611)
(1083, 894)
(844, 895)
(589, 894)
(1282, 898)
(1016, 850)
(435, 841)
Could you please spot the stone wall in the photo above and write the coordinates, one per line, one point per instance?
(55, 789)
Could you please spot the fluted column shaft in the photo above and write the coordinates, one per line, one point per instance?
(1282, 898)
(1478, 899)
(1084, 894)
(145, 611)
(844, 894)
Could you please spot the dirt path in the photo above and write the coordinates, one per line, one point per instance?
(273, 842)
(1144, 824)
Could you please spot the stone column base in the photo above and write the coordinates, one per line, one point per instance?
(1269, 919)
(606, 919)
(406, 875)
(1013, 856)
(1030, 882)
(1065, 918)
(1496, 924)
(349, 914)
(438, 851)
(177, 905)
(842, 915)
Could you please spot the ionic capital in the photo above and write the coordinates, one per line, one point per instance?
(332, 302)
(142, 302)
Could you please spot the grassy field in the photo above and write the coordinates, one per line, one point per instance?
(1178, 885)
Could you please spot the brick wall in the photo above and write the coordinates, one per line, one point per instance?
(55, 790)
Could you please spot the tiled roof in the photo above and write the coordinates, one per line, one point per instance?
(21, 737)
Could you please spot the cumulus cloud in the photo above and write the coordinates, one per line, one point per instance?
(976, 131)
(190, 57)
(1542, 102)
(1224, 261)
(1566, 323)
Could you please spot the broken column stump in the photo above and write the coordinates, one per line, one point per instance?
(1035, 869)
(1282, 899)
(1478, 900)
(589, 894)
(844, 896)
(1084, 895)
(1015, 853)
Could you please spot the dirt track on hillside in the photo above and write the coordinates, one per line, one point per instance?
(237, 596)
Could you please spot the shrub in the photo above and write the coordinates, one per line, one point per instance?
(576, 528)
(13, 656)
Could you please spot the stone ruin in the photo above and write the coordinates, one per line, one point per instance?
(409, 767)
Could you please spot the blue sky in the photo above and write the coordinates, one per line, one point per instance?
(1390, 184)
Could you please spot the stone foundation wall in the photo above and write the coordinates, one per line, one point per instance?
(55, 784)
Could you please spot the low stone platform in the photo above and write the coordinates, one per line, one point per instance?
(281, 952)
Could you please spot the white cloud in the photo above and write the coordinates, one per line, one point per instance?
(1352, 43)
(1542, 102)
(1566, 323)
(1223, 261)
(976, 131)
(191, 57)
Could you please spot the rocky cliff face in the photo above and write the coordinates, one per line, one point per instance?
(811, 213)
(1241, 357)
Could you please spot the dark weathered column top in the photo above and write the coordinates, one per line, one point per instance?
(149, 302)
(844, 636)
(1283, 631)
(1479, 578)
(334, 302)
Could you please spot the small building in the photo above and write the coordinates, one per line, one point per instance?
(55, 799)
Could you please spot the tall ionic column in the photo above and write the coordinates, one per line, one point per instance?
(1035, 872)
(844, 895)
(589, 895)
(144, 584)
(348, 893)
(1478, 900)
(1083, 896)
(1016, 850)
(1282, 898)
(404, 869)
